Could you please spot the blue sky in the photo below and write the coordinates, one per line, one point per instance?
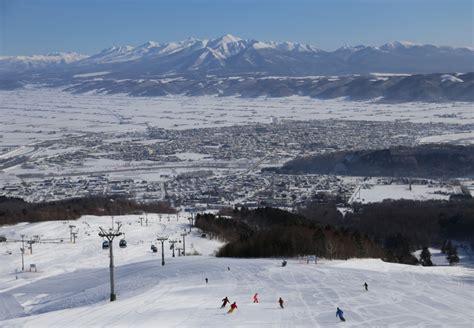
(87, 26)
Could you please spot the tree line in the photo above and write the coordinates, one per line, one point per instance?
(391, 230)
(403, 226)
(14, 210)
(271, 232)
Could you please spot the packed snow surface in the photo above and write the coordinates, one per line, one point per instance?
(71, 287)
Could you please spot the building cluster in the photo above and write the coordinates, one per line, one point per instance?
(190, 190)
(261, 189)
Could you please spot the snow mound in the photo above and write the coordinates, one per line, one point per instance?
(450, 78)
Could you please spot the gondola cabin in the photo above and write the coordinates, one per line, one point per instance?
(105, 244)
(123, 243)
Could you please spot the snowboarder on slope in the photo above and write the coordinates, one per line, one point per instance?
(255, 298)
(281, 302)
(340, 314)
(233, 306)
(225, 301)
(366, 286)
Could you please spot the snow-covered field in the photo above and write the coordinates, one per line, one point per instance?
(37, 114)
(453, 138)
(372, 193)
(71, 287)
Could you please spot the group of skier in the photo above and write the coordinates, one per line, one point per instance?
(233, 306)
(340, 313)
(226, 301)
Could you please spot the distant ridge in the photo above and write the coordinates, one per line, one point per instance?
(230, 66)
(229, 54)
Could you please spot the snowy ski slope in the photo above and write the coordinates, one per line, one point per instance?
(71, 288)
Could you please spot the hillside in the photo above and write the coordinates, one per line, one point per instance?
(72, 282)
(436, 161)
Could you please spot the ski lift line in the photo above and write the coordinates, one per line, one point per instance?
(36, 241)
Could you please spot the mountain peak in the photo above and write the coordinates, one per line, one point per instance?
(227, 45)
(296, 46)
(118, 49)
(228, 38)
(399, 45)
(150, 44)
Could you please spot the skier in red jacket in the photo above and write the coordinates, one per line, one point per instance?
(255, 298)
(233, 306)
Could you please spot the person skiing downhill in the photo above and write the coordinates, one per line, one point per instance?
(255, 298)
(366, 286)
(340, 314)
(233, 306)
(225, 301)
(207, 280)
(281, 302)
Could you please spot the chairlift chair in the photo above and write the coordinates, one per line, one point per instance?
(105, 244)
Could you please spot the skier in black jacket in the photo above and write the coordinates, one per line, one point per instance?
(225, 301)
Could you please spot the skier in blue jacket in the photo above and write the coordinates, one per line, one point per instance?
(340, 314)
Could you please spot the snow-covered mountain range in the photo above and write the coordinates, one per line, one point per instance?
(25, 63)
(232, 55)
(396, 71)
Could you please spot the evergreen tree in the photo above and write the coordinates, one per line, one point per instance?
(453, 255)
(425, 257)
(397, 248)
(443, 247)
(448, 248)
(472, 249)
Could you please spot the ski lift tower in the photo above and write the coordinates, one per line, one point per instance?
(162, 240)
(30, 242)
(74, 236)
(190, 219)
(172, 242)
(71, 226)
(184, 242)
(22, 252)
(110, 235)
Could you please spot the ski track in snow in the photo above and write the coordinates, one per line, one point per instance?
(72, 287)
